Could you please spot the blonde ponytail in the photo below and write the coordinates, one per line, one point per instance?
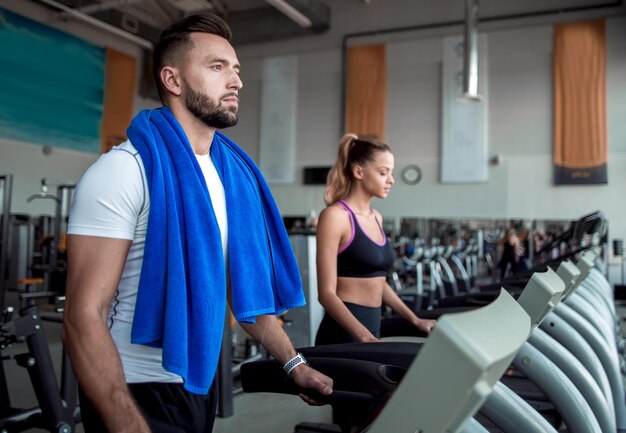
(338, 182)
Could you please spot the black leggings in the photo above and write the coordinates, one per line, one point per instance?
(504, 263)
(331, 332)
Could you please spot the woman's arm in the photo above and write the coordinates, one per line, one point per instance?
(391, 298)
(332, 228)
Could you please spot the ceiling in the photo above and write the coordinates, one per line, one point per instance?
(251, 20)
(257, 21)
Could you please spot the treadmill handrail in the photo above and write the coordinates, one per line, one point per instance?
(461, 361)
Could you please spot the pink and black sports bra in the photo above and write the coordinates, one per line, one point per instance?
(362, 257)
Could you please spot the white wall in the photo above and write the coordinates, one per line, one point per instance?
(28, 164)
(520, 130)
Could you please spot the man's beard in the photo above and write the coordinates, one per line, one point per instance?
(207, 111)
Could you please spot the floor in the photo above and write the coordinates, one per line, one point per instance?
(269, 413)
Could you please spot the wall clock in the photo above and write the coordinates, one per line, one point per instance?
(411, 174)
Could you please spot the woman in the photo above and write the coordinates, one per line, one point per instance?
(510, 252)
(353, 253)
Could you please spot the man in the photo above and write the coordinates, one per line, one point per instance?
(157, 243)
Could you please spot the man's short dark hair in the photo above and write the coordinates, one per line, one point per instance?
(175, 41)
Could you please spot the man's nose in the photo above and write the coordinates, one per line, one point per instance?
(235, 82)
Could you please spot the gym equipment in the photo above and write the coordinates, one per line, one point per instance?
(539, 297)
(424, 265)
(591, 381)
(57, 410)
(485, 338)
(301, 324)
(596, 409)
(606, 354)
(561, 377)
(464, 357)
(584, 410)
(53, 266)
(559, 389)
(537, 367)
(513, 414)
(580, 377)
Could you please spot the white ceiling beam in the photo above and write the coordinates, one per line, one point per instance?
(96, 23)
(291, 12)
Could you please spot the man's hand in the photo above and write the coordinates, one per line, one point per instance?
(267, 330)
(306, 377)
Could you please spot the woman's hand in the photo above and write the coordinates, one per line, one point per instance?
(369, 339)
(425, 325)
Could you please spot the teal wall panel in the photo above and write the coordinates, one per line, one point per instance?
(52, 85)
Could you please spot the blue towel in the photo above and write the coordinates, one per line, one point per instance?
(181, 301)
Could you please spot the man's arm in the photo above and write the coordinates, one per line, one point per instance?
(95, 266)
(272, 336)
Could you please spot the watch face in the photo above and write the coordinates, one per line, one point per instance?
(411, 174)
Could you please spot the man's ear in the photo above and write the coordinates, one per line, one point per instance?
(171, 80)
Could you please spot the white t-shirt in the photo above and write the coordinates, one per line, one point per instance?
(112, 201)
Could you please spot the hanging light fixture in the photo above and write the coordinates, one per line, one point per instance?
(470, 53)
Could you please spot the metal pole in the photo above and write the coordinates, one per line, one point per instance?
(223, 377)
(6, 186)
(622, 261)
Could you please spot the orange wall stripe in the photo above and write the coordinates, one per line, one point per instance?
(366, 91)
(580, 137)
(119, 95)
